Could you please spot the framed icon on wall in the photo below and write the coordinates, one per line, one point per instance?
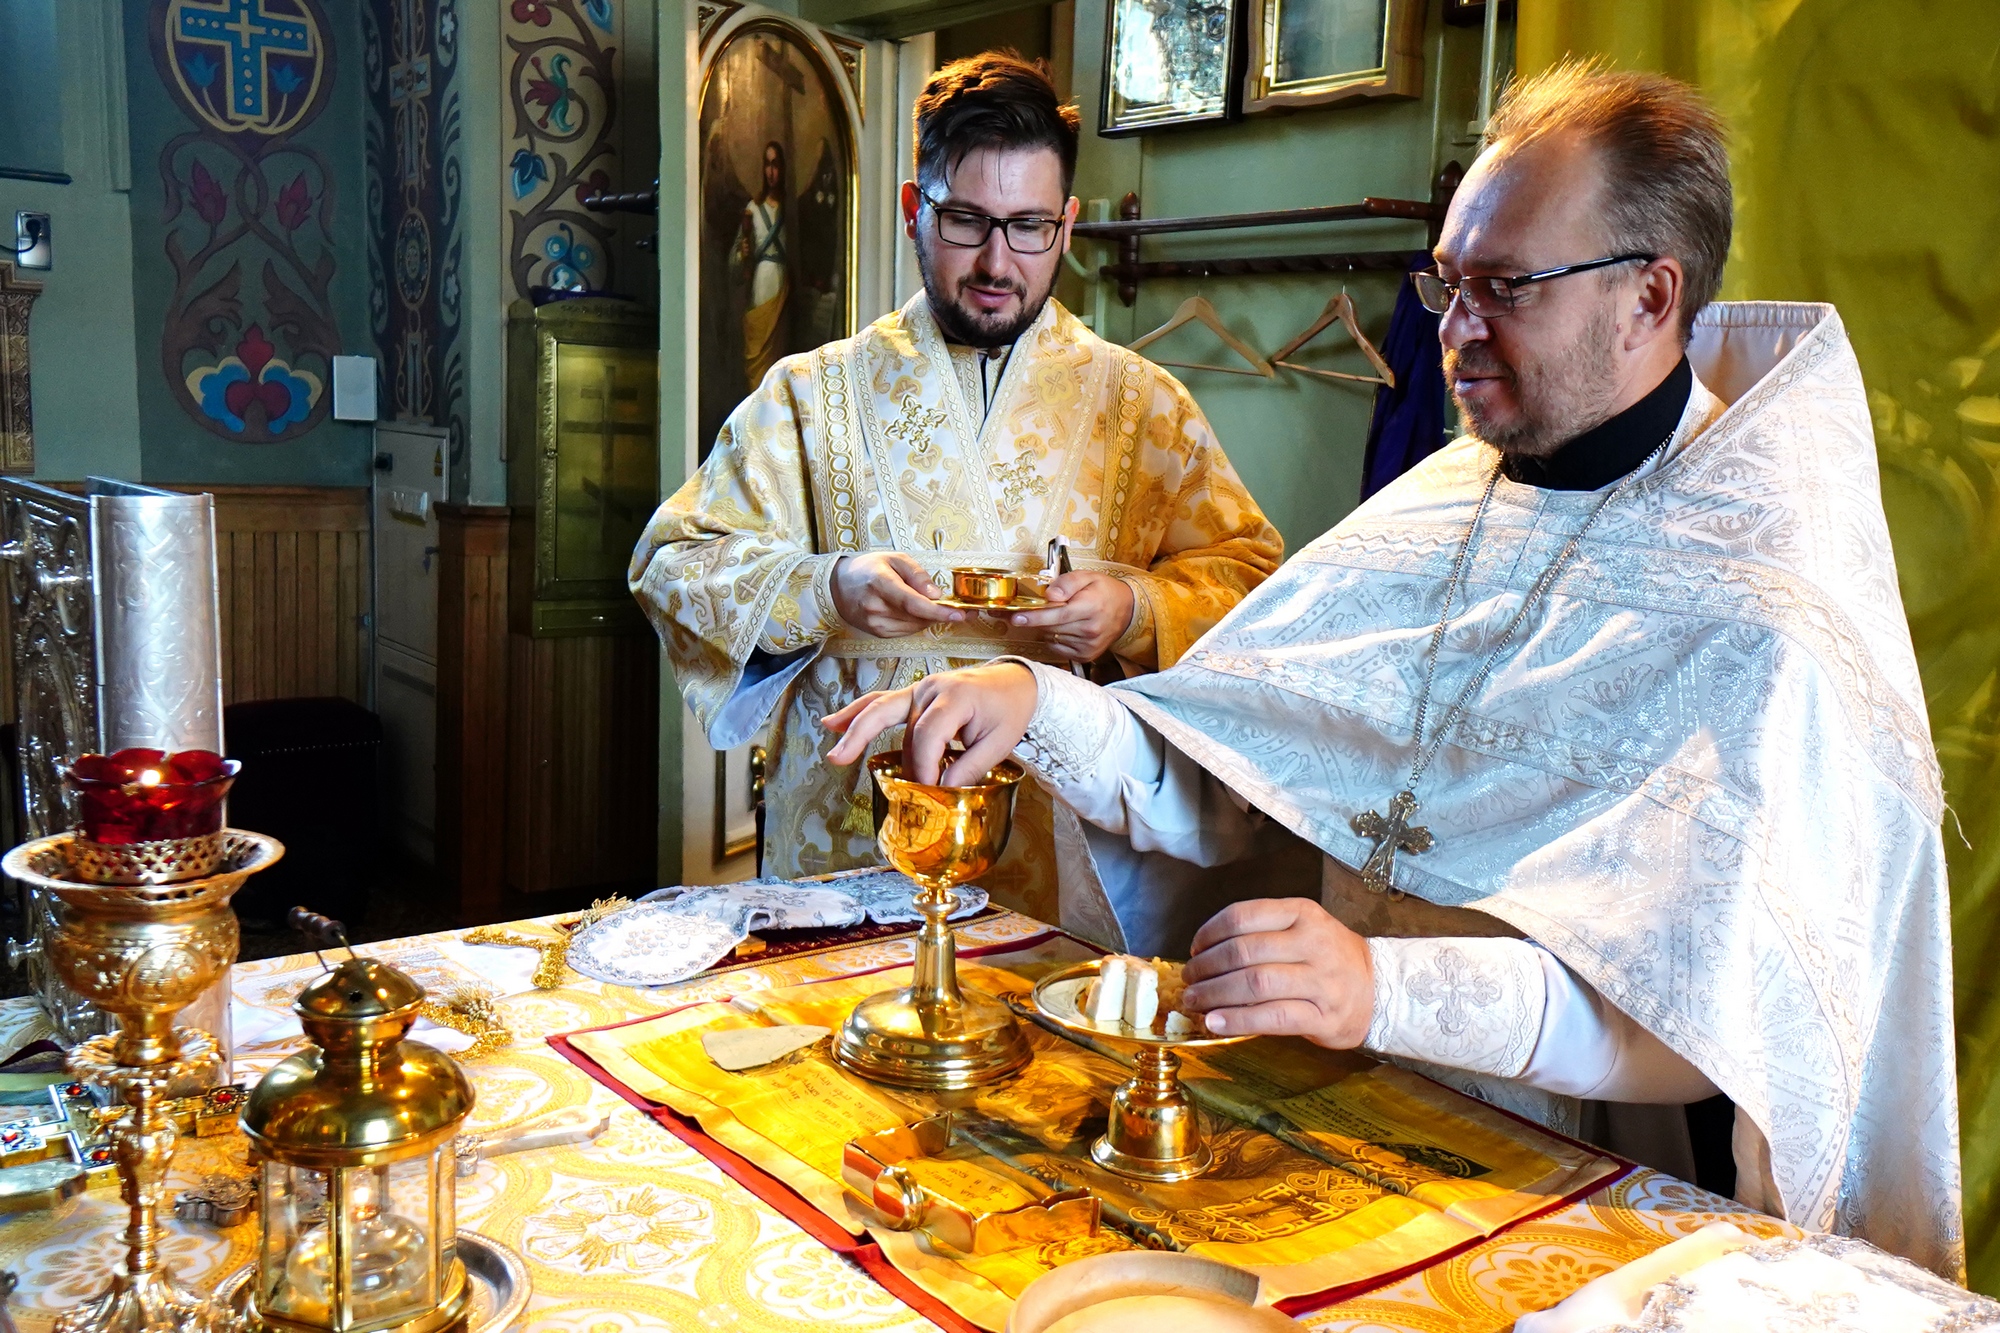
(1169, 63)
(778, 180)
(1319, 53)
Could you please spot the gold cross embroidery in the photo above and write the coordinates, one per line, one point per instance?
(916, 425)
(1021, 480)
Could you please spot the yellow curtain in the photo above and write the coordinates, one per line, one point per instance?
(1866, 143)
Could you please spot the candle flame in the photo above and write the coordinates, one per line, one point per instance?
(149, 778)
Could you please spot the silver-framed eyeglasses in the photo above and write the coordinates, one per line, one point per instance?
(1490, 298)
(968, 230)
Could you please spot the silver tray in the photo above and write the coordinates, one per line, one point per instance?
(500, 1285)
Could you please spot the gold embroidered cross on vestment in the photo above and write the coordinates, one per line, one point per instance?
(915, 425)
(1021, 480)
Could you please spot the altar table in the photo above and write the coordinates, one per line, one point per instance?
(636, 1230)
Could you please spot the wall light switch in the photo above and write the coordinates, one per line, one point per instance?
(33, 245)
(354, 388)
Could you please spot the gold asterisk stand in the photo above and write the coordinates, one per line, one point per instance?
(934, 1034)
(143, 952)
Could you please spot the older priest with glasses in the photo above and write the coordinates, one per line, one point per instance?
(970, 428)
(1593, 748)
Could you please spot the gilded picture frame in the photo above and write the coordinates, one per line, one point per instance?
(1324, 53)
(779, 129)
(1169, 64)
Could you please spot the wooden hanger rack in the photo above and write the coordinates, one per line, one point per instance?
(1130, 227)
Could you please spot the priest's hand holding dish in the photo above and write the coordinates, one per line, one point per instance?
(1087, 613)
(887, 594)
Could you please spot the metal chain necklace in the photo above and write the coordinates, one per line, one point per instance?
(1393, 833)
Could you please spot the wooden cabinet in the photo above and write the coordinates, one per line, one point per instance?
(548, 674)
(583, 461)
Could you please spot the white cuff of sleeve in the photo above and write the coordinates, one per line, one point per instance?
(1473, 1004)
(1071, 727)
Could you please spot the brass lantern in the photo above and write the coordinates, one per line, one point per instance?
(354, 1142)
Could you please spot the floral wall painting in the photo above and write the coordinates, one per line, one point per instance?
(249, 326)
(416, 242)
(562, 68)
(1168, 63)
(777, 191)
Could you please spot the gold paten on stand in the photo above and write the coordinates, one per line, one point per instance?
(1154, 1131)
(143, 952)
(933, 1034)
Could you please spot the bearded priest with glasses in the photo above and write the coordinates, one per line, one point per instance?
(798, 569)
(1586, 766)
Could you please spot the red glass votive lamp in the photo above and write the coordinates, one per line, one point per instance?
(145, 796)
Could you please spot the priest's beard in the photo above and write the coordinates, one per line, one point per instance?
(976, 328)
(1557, 398)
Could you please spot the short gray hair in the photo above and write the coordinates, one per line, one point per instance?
(1666, 165)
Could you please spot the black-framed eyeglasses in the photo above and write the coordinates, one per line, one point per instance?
(1490, 298)
(969, 230)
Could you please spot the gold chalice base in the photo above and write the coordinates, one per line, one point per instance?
(1154, 1132)
(932, 1034)
(892, 1038)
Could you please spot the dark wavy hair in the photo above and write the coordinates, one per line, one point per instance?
(994, 100)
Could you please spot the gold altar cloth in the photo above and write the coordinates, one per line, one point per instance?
(637, 1231)
(1376, 1170)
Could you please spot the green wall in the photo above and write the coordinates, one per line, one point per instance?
(1297, 441)
(84, 390)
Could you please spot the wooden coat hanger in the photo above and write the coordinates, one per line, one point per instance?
(1197, 308)
(1339, 308)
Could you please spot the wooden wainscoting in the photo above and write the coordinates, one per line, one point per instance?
(472, 706)
(293, 567)
(583, 762)
(548, 763)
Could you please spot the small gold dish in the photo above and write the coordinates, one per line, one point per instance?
(987, 587)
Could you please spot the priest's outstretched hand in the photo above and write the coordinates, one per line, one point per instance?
(1282, 967)
(987, 708)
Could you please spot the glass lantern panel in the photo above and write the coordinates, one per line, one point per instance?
(377, 1221)
(411, 1208)
(289, 1199)
(444, 1216)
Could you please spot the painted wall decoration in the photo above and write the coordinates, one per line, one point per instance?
(777, 196)
(415, 168)
(248, 209)
(561, 71)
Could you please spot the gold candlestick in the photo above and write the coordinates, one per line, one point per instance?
(933, 1034)
(144, 952)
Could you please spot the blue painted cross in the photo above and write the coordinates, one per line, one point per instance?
(249, 33)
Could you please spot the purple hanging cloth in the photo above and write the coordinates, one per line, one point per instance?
(1408, 425)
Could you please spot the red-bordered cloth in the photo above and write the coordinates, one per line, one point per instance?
(794, 1207)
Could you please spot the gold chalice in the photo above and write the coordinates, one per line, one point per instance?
(932, 1034)
(144, 952)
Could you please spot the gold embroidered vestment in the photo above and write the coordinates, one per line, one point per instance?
(876, 443)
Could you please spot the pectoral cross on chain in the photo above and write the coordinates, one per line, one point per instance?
(1390, 835)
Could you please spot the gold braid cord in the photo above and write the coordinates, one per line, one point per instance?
(474, 1014)
(553, 970)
